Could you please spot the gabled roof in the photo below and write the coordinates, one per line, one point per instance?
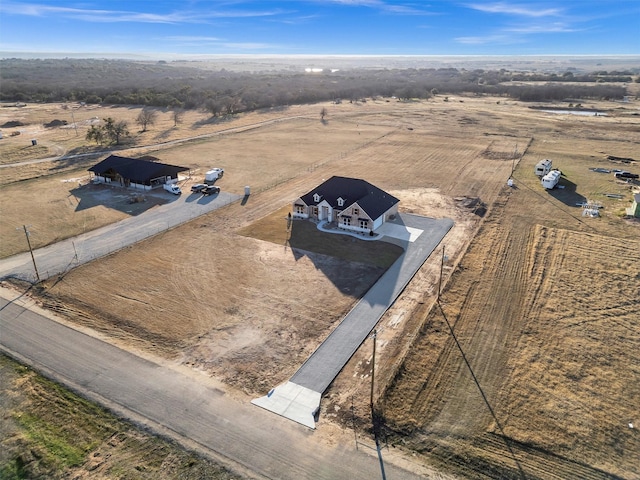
(135, 169)
(370, 198)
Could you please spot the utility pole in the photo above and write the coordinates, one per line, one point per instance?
(440, 280)
(374, 420)
(33, 259)
(73, 118)
(373, 368)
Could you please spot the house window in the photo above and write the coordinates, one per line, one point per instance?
(299, 209)
(364, 223)
(346, 221)
(315, 211)
(316, 197)
(356, 211)
(340, 202)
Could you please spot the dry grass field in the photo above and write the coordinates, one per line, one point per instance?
(543, 302)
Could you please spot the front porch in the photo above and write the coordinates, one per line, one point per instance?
(335, 227)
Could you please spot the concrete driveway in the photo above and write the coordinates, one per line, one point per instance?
(62, 256)
(299, 398)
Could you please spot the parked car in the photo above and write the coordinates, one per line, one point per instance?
(210, 190)
(198, 187)
(633, 176)
(172, 188)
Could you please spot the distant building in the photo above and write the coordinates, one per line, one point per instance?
(350, 203)
(134, 172)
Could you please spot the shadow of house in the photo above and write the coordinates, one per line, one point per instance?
(353, 265)
(350, 210)
(131, 203)
(134, 172)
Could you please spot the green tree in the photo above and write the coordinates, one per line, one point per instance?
(95, 133)
(117, 130)
(110, 132)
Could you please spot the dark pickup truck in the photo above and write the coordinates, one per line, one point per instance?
(210, 190)
(629, 175)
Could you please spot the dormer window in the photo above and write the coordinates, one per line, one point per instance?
(316, 197)
(340, 202)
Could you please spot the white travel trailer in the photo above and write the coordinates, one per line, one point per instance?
(543, 167)
(551, 179)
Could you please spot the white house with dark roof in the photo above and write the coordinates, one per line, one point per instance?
(350, 203)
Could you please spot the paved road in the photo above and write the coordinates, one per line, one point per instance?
(62, 256)
(172, 401)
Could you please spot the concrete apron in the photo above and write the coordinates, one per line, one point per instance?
(292, 401)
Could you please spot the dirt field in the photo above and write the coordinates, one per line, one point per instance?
(542, 301)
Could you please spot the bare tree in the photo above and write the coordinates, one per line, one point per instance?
(146, 117)
(177, 116)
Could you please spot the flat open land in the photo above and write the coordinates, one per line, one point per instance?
(529, 367)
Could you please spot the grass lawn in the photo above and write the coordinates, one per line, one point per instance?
(49, 432)
(303, 235)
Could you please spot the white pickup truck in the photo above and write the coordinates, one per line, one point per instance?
(173, 188)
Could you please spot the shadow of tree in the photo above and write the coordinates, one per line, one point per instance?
(213, 121)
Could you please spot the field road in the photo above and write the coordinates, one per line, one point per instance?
(182, 405)
(131, 150)
(60, 257)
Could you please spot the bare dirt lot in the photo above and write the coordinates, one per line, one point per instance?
(543, 302)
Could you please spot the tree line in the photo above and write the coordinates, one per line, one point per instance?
(219, 92)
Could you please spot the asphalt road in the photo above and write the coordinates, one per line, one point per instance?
(173, 401)
(62, 256)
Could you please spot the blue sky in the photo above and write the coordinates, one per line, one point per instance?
(322, 27)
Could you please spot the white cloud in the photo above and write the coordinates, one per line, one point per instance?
(408, 8)
(482, 40)
(112, 16)
(557, 27)
(525, 10)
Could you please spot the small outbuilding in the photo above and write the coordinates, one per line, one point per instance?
(134, 172)
(634, 209)
(350, 203)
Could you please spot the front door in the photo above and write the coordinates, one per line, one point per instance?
(324, 215)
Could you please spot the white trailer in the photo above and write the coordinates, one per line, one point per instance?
(551, 179)
(543, 167)
(213, 175)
